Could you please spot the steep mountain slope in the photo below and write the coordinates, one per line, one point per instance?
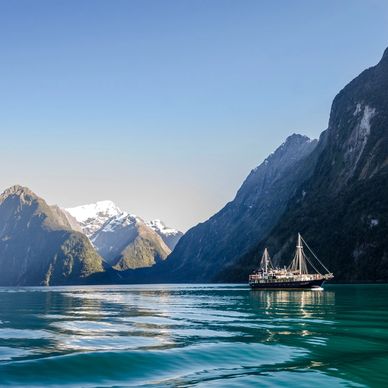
(261, 200)
(342, 210)
(125, 241)
(169, 235)
(67, 219)
(38, 245)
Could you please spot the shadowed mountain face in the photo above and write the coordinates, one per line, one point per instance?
(38, 245)
(342, 209)
(261, 200)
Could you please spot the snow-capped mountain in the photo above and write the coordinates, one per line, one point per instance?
(93, 216)
(169, 235)
(124, 240)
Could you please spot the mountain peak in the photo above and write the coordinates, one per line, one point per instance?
(289, 150)
(84, 212)
(92, 216)
(18, 190)
(297, 137)
(105, 203)
(295, 140)
(37, 243)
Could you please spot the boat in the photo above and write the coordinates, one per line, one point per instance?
(303, 272)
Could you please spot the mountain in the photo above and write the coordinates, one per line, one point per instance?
(38, 245)
(342, 209)
(93, 216)
(169, 235)
(219, 242)
(124, 240)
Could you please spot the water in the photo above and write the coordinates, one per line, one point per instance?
(206, 336)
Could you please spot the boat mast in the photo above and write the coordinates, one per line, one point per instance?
(299, 248)
(299, 262)
(265, 260)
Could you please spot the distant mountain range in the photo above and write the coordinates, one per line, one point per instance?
(334, 191)
(47, 245)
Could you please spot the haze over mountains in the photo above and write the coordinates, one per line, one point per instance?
(334, 191)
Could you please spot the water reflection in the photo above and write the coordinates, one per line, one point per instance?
(293, 315)
(272, 299)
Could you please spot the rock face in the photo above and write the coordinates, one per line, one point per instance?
(38, 245)
(219, 242)
(124, 240)
(342, 209)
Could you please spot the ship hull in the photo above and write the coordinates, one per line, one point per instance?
(296, 285)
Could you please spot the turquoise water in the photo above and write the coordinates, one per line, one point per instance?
(202, 335)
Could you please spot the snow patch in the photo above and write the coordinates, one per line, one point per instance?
(159, 227)
(122, 220)
(92, 210)
(93, 216)
(357, 110)
(366, 118)
(359, 138)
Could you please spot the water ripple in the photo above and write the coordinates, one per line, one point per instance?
(205, 335)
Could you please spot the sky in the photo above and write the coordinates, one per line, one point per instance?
(165, 106)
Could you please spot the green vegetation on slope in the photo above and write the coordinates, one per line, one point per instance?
(37, 244)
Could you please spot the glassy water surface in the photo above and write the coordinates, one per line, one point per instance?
(194, 335)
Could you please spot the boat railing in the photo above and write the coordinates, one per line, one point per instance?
(260, 277)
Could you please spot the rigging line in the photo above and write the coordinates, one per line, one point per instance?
(319, 261)
(270, 261)
(293, 264)
(306, 257)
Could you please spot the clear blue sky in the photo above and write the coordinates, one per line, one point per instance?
(165, 106)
